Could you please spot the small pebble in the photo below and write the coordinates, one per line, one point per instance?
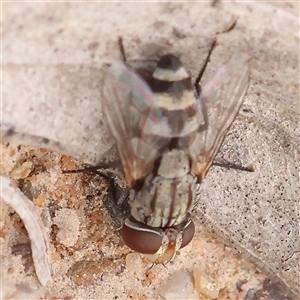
(134, 263)
(22, 171)
(68, 223)
(205, 285)
(178, 286)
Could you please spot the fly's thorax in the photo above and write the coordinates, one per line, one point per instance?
(164, 202)
(174, 164)
(166, 198)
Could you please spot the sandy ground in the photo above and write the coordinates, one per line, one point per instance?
(52, 71)
(88, 257)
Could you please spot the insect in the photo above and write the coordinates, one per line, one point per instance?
(168, 132)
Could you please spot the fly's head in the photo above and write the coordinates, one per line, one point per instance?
(159, 244)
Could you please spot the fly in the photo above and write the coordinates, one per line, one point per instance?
(168, 131)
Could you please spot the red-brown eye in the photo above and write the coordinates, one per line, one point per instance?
(188, 234)
(148, 240)
(141, 240)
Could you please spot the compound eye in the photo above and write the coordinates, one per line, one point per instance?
(140, 240)
(188, 233)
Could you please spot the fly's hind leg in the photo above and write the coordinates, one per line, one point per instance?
(197, 87)
(197, 82)
(122, 50)
(228, 165)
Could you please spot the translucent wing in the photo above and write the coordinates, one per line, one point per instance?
(127, 105)
(221, 98)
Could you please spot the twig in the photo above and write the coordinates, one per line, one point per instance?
(13, 196)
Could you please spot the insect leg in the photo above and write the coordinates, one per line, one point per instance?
(197, 86)
(231, 27)
(122, 50)
(116, 194)
(213, 45)
(214, 3)
(116, 202)
(197, 83)
(228, 165)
